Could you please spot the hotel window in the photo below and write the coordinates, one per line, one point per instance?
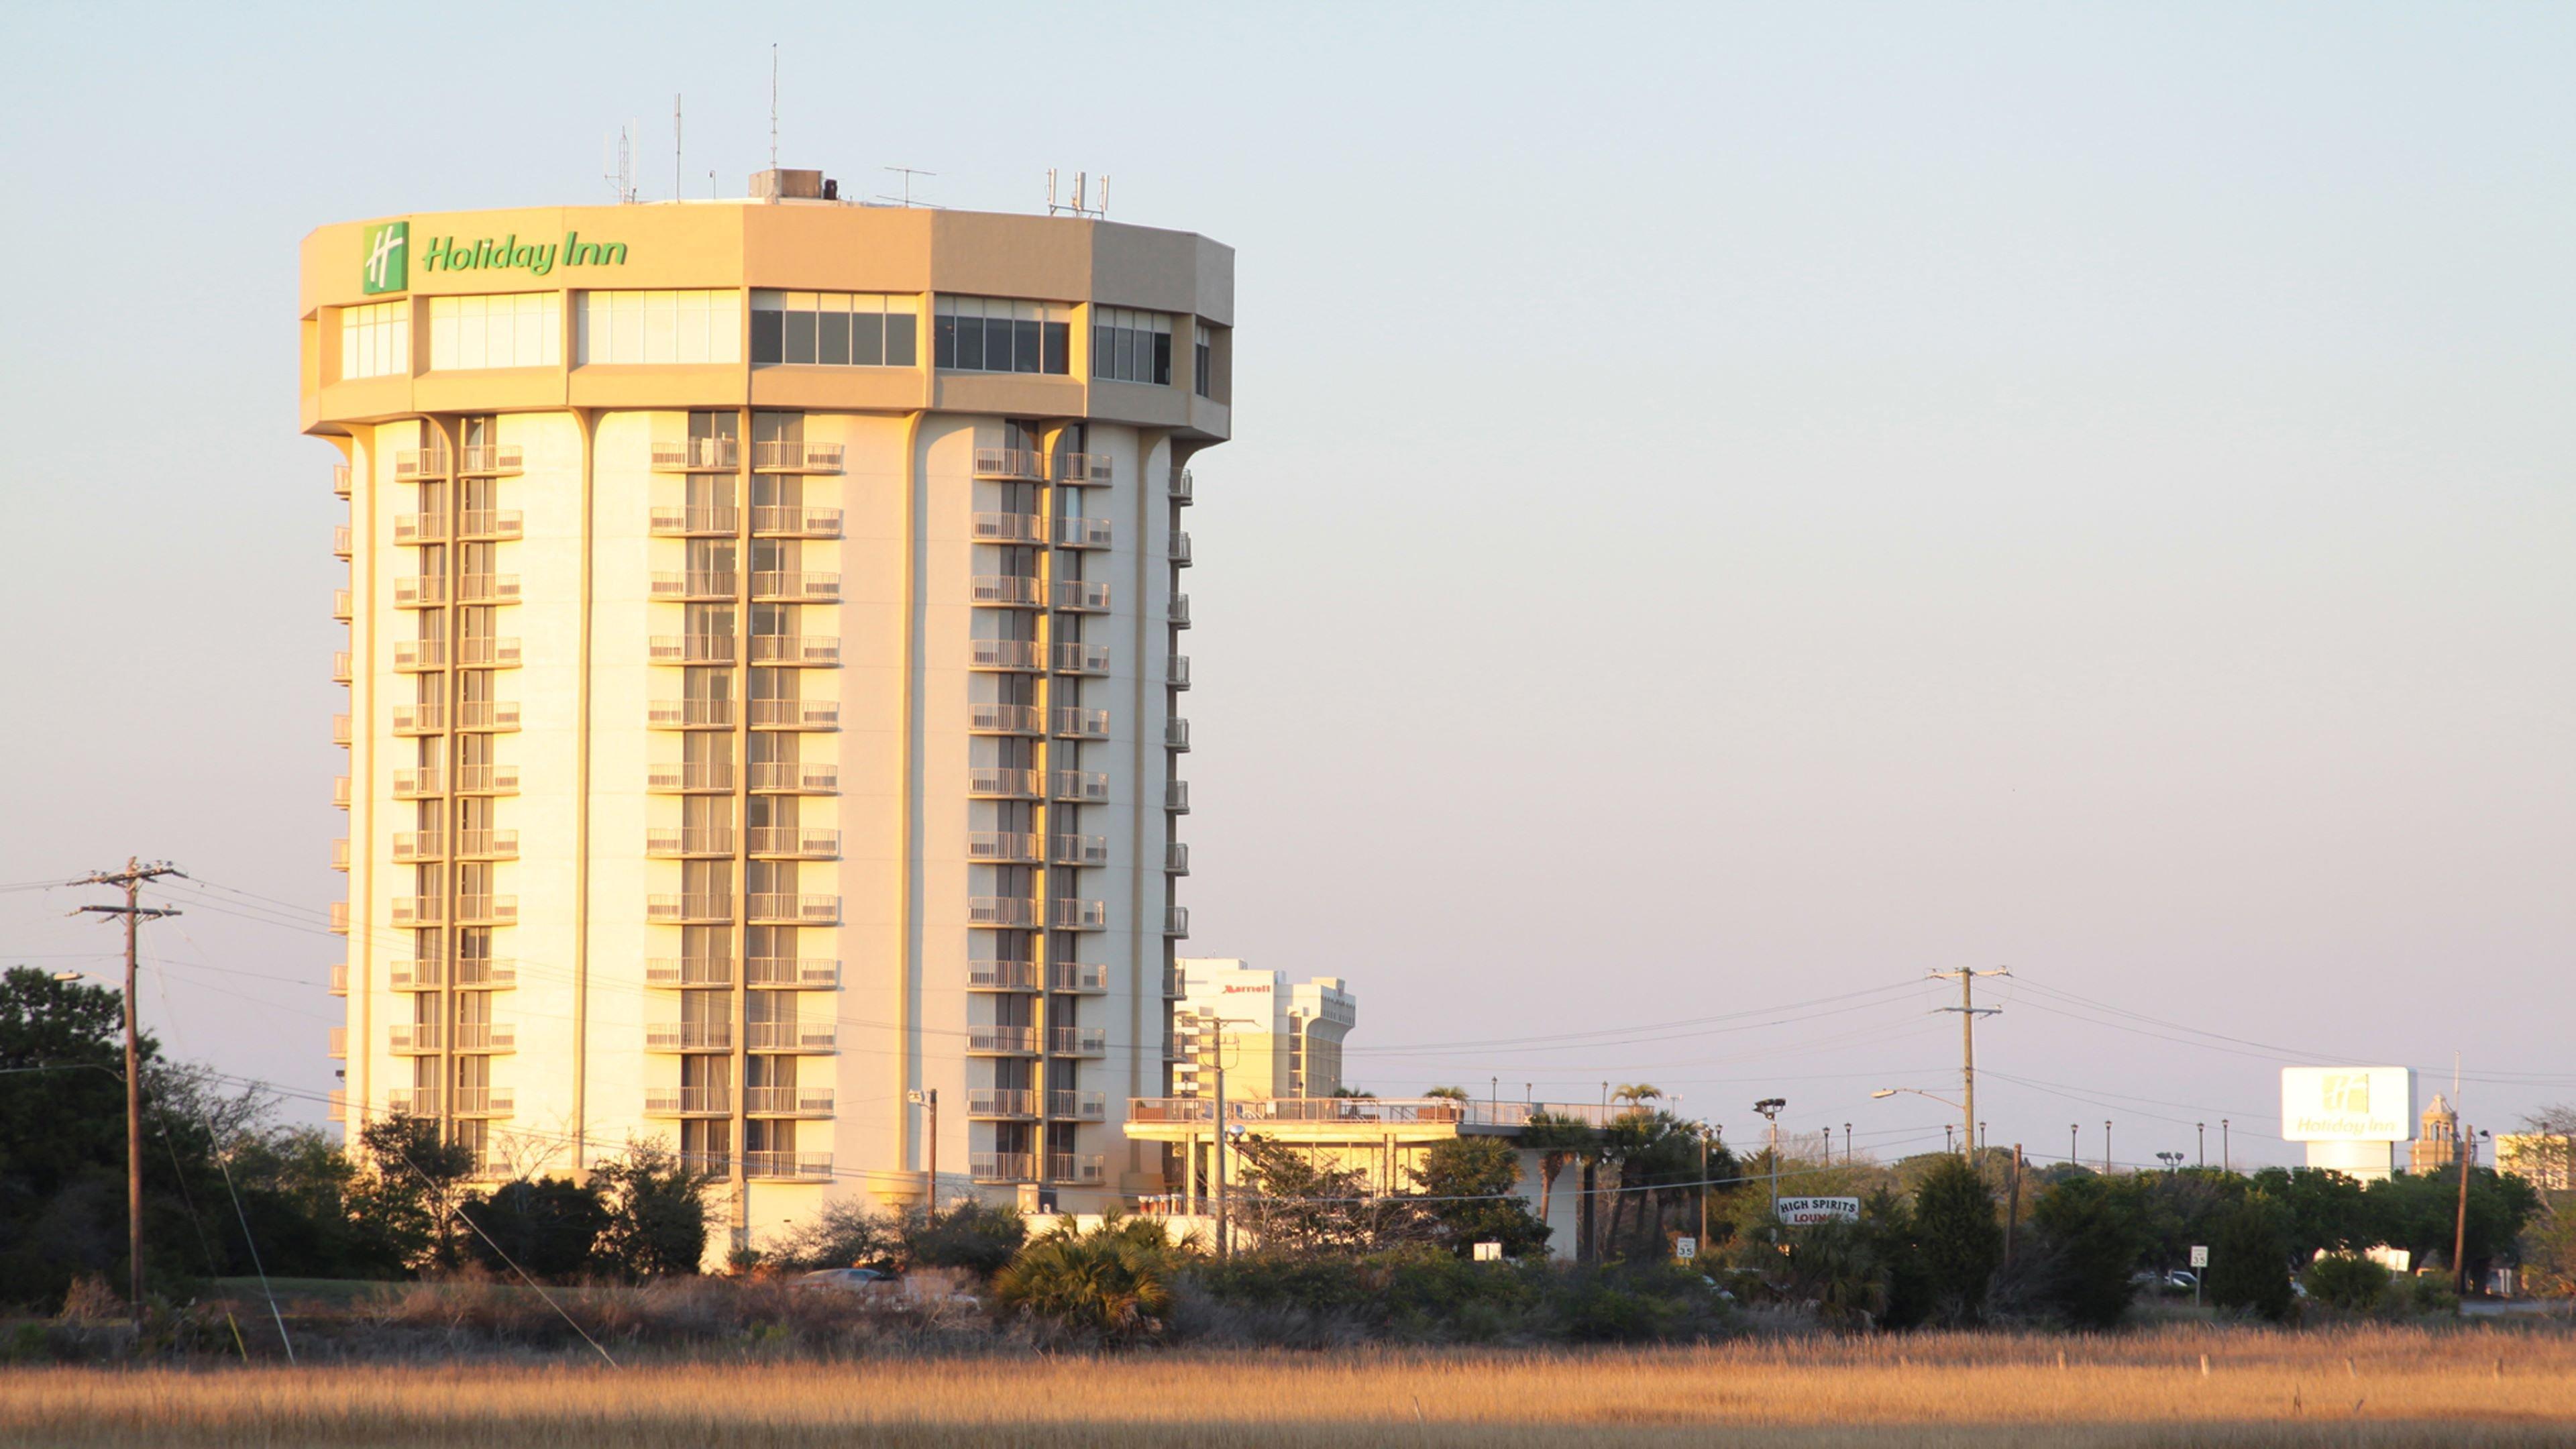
(650, 327)
(1131, 346)
(375, 340)
(1202, 366)
(525, 330)
(835, 329)
(998, 334)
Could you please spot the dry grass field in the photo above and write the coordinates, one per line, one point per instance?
(2368, 1386)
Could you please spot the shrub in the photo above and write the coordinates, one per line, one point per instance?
(2347, 1281)
(657, 1206)
(2092, 1240)
(546, 1229)
(1960, 1242)
(2249, 1261)
(978, 1237)
(1112, 1283)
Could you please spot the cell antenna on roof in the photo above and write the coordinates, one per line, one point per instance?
(620, 162)
(773, 105)
(677, 187)
(1076, 207)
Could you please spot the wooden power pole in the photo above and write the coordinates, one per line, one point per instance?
(134, 912)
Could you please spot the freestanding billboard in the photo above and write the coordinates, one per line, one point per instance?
(2347, 1104)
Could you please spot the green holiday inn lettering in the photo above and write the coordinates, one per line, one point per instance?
(447, 254)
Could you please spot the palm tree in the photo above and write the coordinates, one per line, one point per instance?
(1455, 1094)
(1638, 1094)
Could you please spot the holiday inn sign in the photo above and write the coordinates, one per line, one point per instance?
(387, 262)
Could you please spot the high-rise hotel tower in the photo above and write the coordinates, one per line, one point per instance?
(764, 683)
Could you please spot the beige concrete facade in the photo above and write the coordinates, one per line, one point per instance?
(1278, 1038)
(739, 748)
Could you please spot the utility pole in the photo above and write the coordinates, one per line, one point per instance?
(1703, 1184)
(2203, 1129)
(1969, 1011)
(1847, 1150)
(1216, 1141)
(2226, 1158)
(2460, 1224)
(2012, 1205)
(2071, 1130)
(2106, 1147)
(132, 878)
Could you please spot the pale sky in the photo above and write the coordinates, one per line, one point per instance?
(1784, 500)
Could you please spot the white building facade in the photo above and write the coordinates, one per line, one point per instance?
(1279, 1038)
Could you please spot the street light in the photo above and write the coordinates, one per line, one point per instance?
(2171, 1160)
(1770, 1107)
(1967, 1149)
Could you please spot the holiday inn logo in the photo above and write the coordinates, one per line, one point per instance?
(386, 268)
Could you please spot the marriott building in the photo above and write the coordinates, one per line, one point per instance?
(765, 670)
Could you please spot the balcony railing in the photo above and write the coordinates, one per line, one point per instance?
(1176, 921)
(696, 584)
(1005, 719)
(795, 777)
(485, 1101)
(414, 1101)
(998, 782)
(1082, 786)
(789, 1166)
(1001, 1102)
(1176, 857)
(689, 840)
(795, 842)
(787, 1101)
(791, 1036)
(791, 908)
(1017, 465)
(808, 973)
(487, 588)
(1073, 915)
(688, 522)
(1008, 528)
(786, 520)
(487, 844)
(1008, 1041)
(336, 1045)
(690, 649)
(1081, 596)
(486, 1036)
(697, 906)
(1177, 673)
(419, 654)
(1001, 1166)
(1078, 1041)
(407, 975)
(487, 779)
(418, 910)
(796, 457)
(689, 714)
(340, 666)
(421, 462)
(690, 777)
(419, 845)
(1173, 990)
(1004, 912)
(339, 978)
(419, 783)
(490, 523)
(687, 1102)
(487, 653)
(1010, 591)
(1078, 1107)
(812, 649)
(487, 715)
(340, 479)
(1183, 486)
(1085, 470)
(419, 719)
(1002, 975)
(1014, 654)
(1181, 548)
(412, 528)
(782, 586)
(1083, 850)
(338, 918)
(688, 971)
(1082, 724)
(1176, 733)
(795, 714)
(1177, 613)
(413, 1037)
(688, 1036)
(341, 607)
(1076, 532)
(419, 591)
(1076, 657)
(487, 910)
(488, 459)
(1084, 977)
(1079, 1168)
(1003, 846)
(695, 455)
(481, 971)
(340, 730)
(342, 542)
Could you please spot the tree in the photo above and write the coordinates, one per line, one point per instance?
(2092, 1237)
(2249, 1260)
(545, 1229)
(2325, 1211)
(2348, 1281)
(2420, 1213)
(1468, 1181)
(1960, 1241)
(1637, 1094)
(842, 1235)
(405, 1206)
(657, 1212)
(1454, 1094)
(1292, 1203)
(978, 1237)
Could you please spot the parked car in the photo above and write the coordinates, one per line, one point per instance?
(849, 1280)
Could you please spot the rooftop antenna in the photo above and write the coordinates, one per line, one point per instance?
(621, 164)
(909, 172)
(773, 105)
(1081, 186)
(676, 150)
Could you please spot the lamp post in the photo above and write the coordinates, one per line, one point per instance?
(1947, 1133)
(2203, 1129)
(2071, 1130)
(2171, 1160)
(1770, 1107)
(929, 1098)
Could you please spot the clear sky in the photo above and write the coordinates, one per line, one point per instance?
(1732, 507)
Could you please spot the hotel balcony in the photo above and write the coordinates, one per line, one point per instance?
(1176, 921)
(490, 524)
(419, 783)
(340, 855)
(419, 719)
(1001, 1166)
(1073, 915)
(1004, 912)
(485, 1101)
(683, 841)
(1010, 465)
(1085, 470)
(1177, 612)
(1000, 1040)
(487, 588)
(340, 479)
(695, 777)
(342, 543)
(697, 455)
(1073, 532)
(787, 1101)
(794, 842)
(486, 844)
(410, 528)
(487, 460)
(688, 1102)
(790, 908)
(487, 716)
(486, 1036)
(416, 655)
(791, 973)
(1176, 796)
(1008, 528)
(1076, 657)
(778, 586)
(340, 666)
(340, 730)
(487, 779)
(487, 653)
(336, 1046)
(1083, 1169)
(1082, 724)
(697, 908)
(1082, 850)
(711, 584)
(414, 1101)
(479, 972)
(1001, 976)
(487, 910)
(1176, 857)
(795, 777)
(1078, 1040)
(1082, 978)
(340, 791)
(1078, 1107)
(418, 591)
(1005, 719)
(1081, 596)
(689, 714)
(688, 1036)
(1020, 655)
(1006, 591)
(1085, 787)
(418, 910)
(414, 463)
(1177, 673)
(1176, 734)
(796, 457)
(690, 649)
(795, 714)
(341, 607)
(1002, 1102)
(339, 918)
(788, 1166)
(787, 520)
(402, 975)
(791, 1036)
(1173, 990)
(723, 522)
(339, 978)
(681, 971)
(1180, 548)
(1183, 487)
(817, 650)
(1004, 847)
(999, 782)
(415, 1038)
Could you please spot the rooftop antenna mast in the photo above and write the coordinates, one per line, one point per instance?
(678, 188)
(621, 164)
(773, 105)
(909, 172)
(1076, 207)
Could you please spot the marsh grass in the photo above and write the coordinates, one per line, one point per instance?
(2371, 1386)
